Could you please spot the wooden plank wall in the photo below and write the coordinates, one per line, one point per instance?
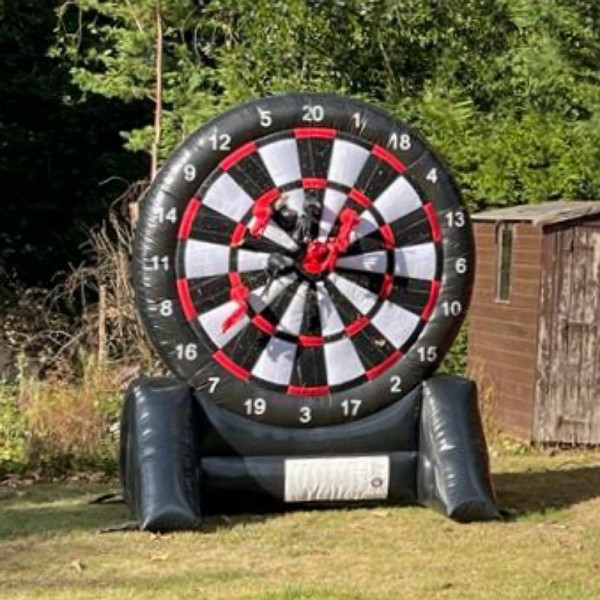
(503, 335)
(567, 406)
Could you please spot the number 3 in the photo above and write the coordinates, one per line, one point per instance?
(305, 414)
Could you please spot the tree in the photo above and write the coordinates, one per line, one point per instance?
(507, 90)
(56, 150)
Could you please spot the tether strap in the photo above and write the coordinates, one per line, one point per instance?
(127, 526)
(109, 498)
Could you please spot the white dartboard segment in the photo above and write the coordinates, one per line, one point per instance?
(261, 297)
(275, 234)
(212, 323)
(248, 260)
(361, 298)
(281, 161)
(397, 200)
(331, 322)
(370, 262)
(395, 323)
(204, 259)
(417, 262)
(333, 202)
(346, 163)
(342, 362)
(227, 197)
(292, 319)
(276, 362)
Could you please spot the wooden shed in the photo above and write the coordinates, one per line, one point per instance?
(534, 324)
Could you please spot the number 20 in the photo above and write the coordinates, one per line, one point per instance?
(313, 114)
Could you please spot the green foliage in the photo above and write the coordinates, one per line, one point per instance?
(59, 425)
(507, 90)
(58, 153)
(455, 362)
(13, 442)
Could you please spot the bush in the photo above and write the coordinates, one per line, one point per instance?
(13, 431)
(79, 345)
(55, 425)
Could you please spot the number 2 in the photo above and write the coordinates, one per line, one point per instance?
(395, 384)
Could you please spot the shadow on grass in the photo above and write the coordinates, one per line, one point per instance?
(56, 509)
(539, 491)
(51, 509)
(59, 509)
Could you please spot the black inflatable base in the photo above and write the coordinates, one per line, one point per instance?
(182, 457)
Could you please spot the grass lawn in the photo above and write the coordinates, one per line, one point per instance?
(50, 546)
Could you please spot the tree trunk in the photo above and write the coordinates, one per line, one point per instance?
(134, 208)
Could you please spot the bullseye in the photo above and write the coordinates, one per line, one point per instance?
(316, 259)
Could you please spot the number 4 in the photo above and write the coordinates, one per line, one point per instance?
(432, 176)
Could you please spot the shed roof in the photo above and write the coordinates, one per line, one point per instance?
(542, 214)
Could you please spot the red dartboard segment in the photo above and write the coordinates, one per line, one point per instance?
(188, 218)
(238, 155)
(356, 326)
(384, 365)
(264, 325)
(298, 390)
(431, 301)
(433, 221)
(314, 183)
(306, 324)
(183, 291)
(388, 236)
(359, 197)
(311, 341)
(389, 158)
(315, 132)
(230, 366)
(234, 278)
(387, 286)
(239, 233)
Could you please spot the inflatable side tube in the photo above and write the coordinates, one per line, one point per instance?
(159, 457)
(394, 429)
(266, 483)
(453, 472)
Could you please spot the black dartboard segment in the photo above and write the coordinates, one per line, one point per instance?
(305, 259)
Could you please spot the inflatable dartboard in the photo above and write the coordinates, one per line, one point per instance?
(304, 259)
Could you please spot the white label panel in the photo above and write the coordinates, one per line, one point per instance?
(335, 479)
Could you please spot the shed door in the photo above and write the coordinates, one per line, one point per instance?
(568, 392)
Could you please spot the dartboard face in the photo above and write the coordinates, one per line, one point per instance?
(303, 260)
